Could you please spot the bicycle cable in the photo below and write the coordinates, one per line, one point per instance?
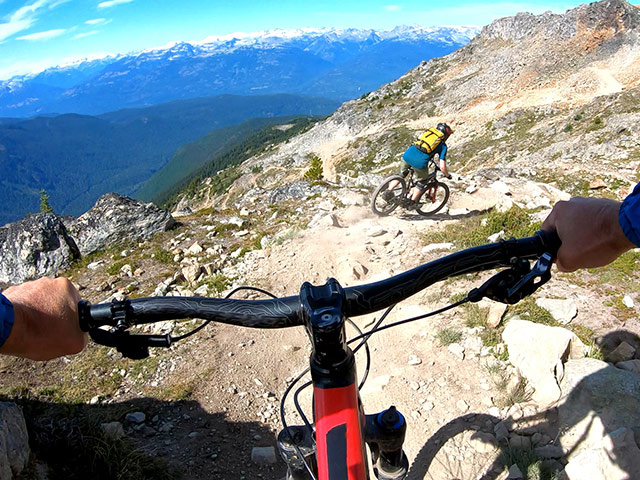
(413, 319)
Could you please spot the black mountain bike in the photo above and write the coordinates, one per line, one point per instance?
(395, 191)
(330, 445)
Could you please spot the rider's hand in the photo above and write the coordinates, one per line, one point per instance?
(45, 320)
(590, 232)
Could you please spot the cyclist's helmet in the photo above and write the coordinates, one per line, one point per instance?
(446, 129)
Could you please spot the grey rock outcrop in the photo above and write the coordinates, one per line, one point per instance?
(14, 441)
(36, 246)
(114, 218)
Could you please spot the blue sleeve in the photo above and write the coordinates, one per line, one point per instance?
(6, 318)
(629, 216)
(441, 150)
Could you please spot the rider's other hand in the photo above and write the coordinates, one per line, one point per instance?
(45, 320)
(590, 232)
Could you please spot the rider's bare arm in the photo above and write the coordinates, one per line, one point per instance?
(45, 320)
(590, 232)
(443, 168)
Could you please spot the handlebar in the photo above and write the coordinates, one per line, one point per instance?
(287, 311)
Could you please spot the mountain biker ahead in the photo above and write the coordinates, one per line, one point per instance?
(421, 154)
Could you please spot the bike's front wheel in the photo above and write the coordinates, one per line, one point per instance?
(433, 199)
(389, 195)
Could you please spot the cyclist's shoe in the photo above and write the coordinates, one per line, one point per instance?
(410, 204)
(388, 196)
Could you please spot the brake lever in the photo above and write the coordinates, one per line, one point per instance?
(135, 347)
(532, 281)
(512, 285)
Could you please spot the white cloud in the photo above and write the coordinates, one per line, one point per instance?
(112, 3)
(97, 21)
(392, 8)
(25, 17)
(87, 34)
(43, 35)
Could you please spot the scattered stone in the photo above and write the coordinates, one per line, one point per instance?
(437, 246)
(427, 406)
(496, 236)
(628, 301)
(514, 473)
(520, 442)
(135, 417)
(462, 405)
(597, 184)
(630, 365)
(94, 400)
(377, 232)
(562, 310)
(414, 360)
(548, 451)
(483, 442)
(457, 350)
(622, 353)
(501, 431)
(195, 249)
(14, 441)
(192, 273)
(263, 455)
(496, 312)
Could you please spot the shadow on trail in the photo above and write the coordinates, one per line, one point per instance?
(176, 440)
(605, 401)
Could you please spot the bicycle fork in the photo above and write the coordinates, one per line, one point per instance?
(384, 434)
(335, 450)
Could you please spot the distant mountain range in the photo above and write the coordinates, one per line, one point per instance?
(337, 64)
(77, 158)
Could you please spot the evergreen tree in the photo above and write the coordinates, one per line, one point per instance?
(44, 202)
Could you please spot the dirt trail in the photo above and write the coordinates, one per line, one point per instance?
(410, 369)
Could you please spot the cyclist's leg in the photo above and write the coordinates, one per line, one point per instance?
(422, 176)
(404, 172)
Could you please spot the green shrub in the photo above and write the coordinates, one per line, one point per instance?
(474, 231)
(447, 336)
(314, 173)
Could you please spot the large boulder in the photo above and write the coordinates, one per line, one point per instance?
(115, 218)
(36, 246)
(538, 352)
(14, 441)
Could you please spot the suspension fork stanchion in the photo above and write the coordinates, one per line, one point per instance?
(384, 433)
(339, 419)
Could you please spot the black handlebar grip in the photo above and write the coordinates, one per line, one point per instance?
(550, 241)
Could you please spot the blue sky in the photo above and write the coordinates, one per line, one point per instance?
(35, 34)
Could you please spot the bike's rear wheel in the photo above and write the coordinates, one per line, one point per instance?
(433, 199)
(385, 200)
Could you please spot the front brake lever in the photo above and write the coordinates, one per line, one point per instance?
(538, 276)
(135, 347)
(512, 285)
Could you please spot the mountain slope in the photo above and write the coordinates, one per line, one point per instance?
(235, 144)
(331, 63)
(77, 158)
